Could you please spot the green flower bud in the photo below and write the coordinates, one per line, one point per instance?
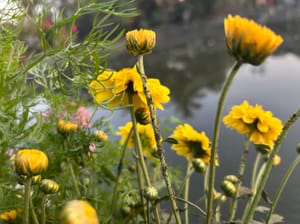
(199, 165)
(49, 186)
(228, 188)
(150, 193)
(143, 115)
(232, 178)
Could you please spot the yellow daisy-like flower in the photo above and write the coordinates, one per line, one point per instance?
(146, 134)
(78, 212)
(248, 41)
(190, 143)
(112, 88)
(30, 162)
(65, 127)
(140, 42)
(10, 216)
(260, 125)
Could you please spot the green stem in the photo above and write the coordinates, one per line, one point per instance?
(254, 171)
(248, 214)
(191, 204)
(282, 186)
(71, 169)
(241, 174)
(141, 159)
(214, 150)
(186, 191)
(160, 150)
(119, 172)
(43, 204)
(34, 217)
(27, 199)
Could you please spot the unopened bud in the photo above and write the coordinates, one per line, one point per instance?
(232, 178)
(49, 186)
(143, 115)
(151, 193)
(199, 165)
(264, 149)
(228, 188)
(139, 42)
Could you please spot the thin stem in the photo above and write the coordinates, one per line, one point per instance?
(43, 204)
(191, 204)
(27, 199)
(241, 175)
(254, 171)
(160, 150)
(282, 186)
(186, 191)
(141, 159)
(71, 169)
(119, 172)
(248, 214)
(34, 217)
(214, 150)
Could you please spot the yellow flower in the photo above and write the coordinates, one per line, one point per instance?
(112, 89)
(10, 216)
(65, 127)
(78, 212)
(101, 135)
(30, 162)
(146, 134)
(140, 42)
(248, 41)
(260, 125)
(191, 143)
(49, 186)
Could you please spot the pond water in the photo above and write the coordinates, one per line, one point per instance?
(195, 70)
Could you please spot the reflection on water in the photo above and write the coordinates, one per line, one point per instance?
(195, 76)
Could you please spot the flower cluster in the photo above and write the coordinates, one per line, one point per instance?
(190, 143)
(114, 88)
(259, 125)
(248, 41)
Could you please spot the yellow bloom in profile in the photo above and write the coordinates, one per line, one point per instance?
(30, 162)
(112, 89)
(78, 212)
(260, 125)
(146, 134)
(248, 41)
(141, 41)
(65, 127)
(10, 216)
(190, 143)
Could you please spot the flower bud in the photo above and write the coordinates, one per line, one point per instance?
(101, 135)
(78, 212)
(30, 162)
(199, 165)
(49, 186)
(264, 149)
(228, 188)
(64, 127)
(35, 179)
(143, 115)
(140, 42)
(232, 178)
(150, 193)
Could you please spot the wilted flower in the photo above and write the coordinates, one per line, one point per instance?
(78, 212)
(260, 125)
(191, 144)
(248, 41)
(30, 162)
(48, 186)
(65, 127)
(141, 41)
(112, 88)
